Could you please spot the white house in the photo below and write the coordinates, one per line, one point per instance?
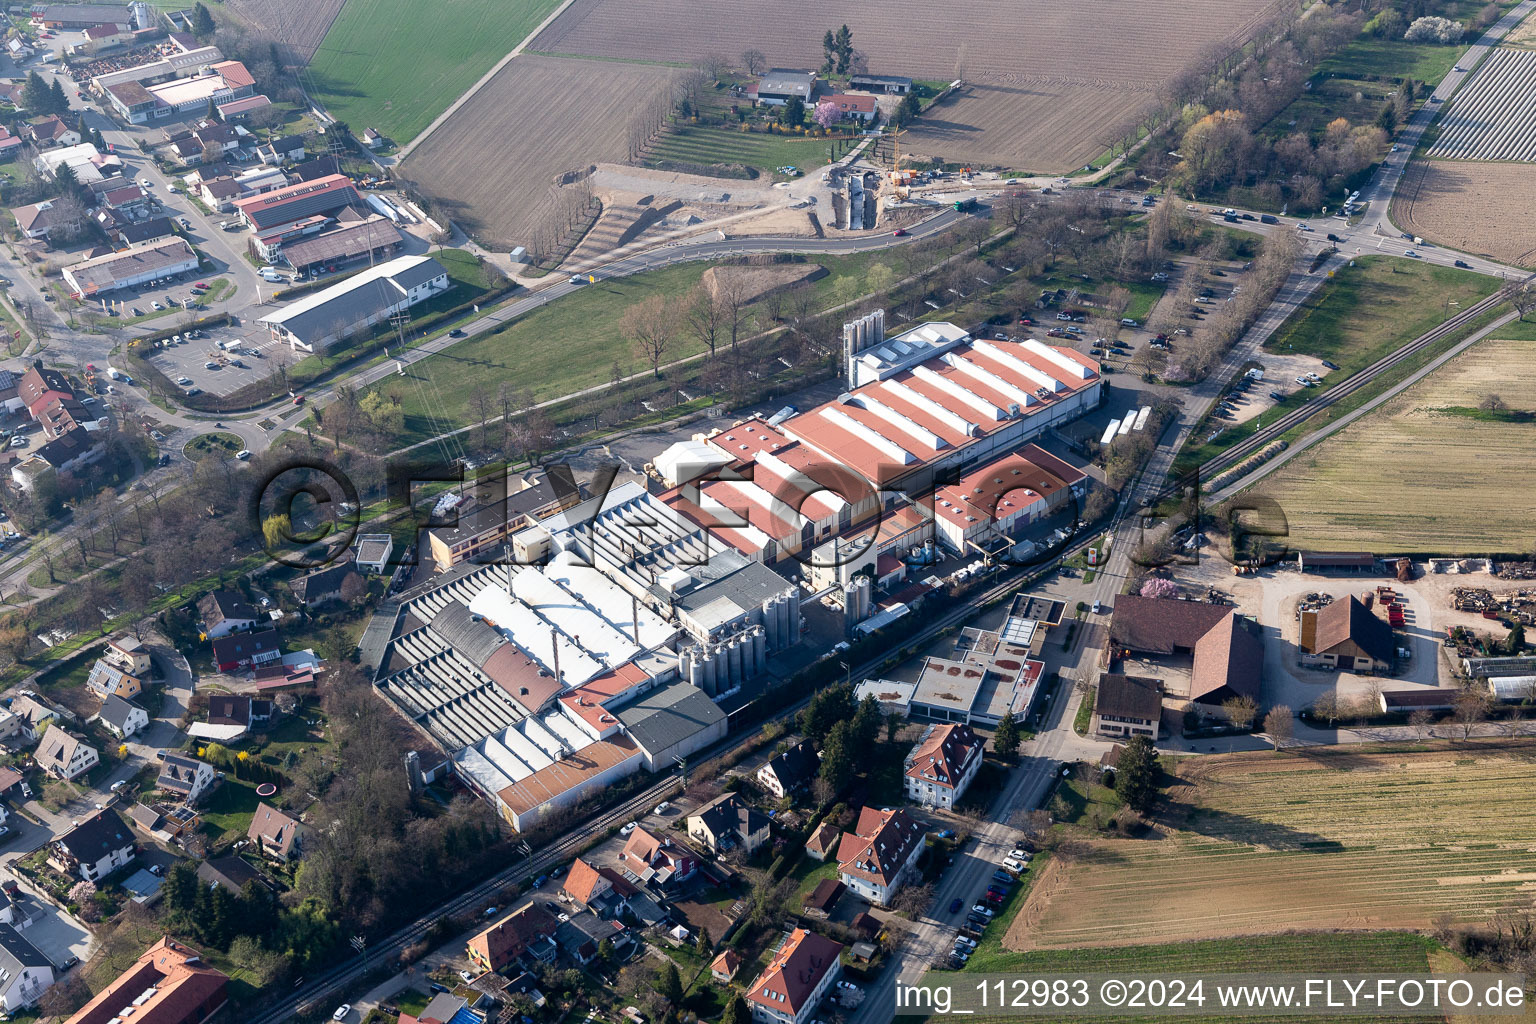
(25, 973)
(95, 848)
(880, 855)
(942, 765)
(122, 717)
(185, 776)
(65, 756)
(795, 980)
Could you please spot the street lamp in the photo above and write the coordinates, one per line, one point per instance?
(847, 670)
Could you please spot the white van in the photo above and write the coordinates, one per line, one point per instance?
(271, 274)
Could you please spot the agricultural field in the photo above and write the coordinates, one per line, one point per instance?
(1091, 69)
(395, 65)
(1326, 840)
(1492, 117)
(1477, 207)
(1365, 487)
(706, 145)
(492, 165)
(299, 24)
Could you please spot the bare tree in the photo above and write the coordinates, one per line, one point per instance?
(1280, 726)
(651, 324)
(1241, 710)
(1520, 295)
(705, 317)
(1326, 707)
(714, 66)
(1472, 707)
(753, 61)
(1422, 722)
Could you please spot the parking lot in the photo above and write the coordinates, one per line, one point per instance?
(188, 359)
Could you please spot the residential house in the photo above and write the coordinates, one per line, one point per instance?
(231, 716)
(529, 929)
(724, 967)
(1126, 706)
(187, 777)
(823, 841)
(169, 984)
(229, 871)
(241, 109)
(942, 765)
(580, 936)
(656, 862)
(37, 219)
(793, 983)
(895, 85)
(51, 131)
(287, 150)
(247, 650)
(25, 973)
(225, 612)
(727, 822)
(108, 680)
(1227, 649)
(122, 717)
(372, 139)
(40, 385)
(66, 453)
(603, 891)
(34, 716)
(220, 193)
(142, 232)
(371, 551)
(789, 770)
(779, 85)
(277, 835)
(323, 586)
(880, 854)
(95, 848)
(128, 654)
(852, 105)
(1348, 636)
(65, 755)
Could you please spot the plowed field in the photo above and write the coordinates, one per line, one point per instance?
(1484, 208)
(1049, 83)
(298, 24)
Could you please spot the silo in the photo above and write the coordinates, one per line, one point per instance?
(759, 650)
(684, 657)
(733, 651)
(707, 663)
(771, 622)
(866, 598)
(695, 667)
(786, 638)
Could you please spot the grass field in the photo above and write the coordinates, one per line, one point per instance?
(1363, 487)
(713, 145)
(394, 65)
(1328, 839)
(1365, 312)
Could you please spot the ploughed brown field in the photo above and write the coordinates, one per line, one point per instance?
(1478, 207)
(492, 165)
(299, 24)
(1048, 84)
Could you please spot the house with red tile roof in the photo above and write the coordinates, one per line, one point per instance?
(657, 862)
(601, 890)
(530, 929)
(878, 857)
(169, 984)
(942, 765)
(792, 985)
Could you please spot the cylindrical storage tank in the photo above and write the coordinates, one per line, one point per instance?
(759, 651)
(866, 597)
(771, 622)
(695, 668)
(786, 639)
(734, 652)
(707, 673)
(793, 601)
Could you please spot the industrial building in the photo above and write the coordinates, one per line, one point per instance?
(480, 522)
(991, 674)
(320, 196)
(219, 83)
(321, 319)
(1226, 649)
(134, 266)
(984, 510)
(177, 65)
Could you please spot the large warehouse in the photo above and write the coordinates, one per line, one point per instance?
(141, 264)
(321, 319)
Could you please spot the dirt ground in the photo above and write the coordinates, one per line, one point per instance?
(300, 24)
(779, 223)
(755, 282)
(1477, 207)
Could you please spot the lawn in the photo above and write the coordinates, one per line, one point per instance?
(1360, 839)
(394, 65)
(228, 810)
(214, 445)
(701, 144)
(1361, 487)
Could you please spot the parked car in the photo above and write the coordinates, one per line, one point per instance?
(136, 311)
(628, 828)
(982, 911)
(243, 454)
(342, 1010)
(663, 807)
(157, 306)
(1014, 864)
(1330, 365)
(466, 976)
(1277, 396)
(1019, 853)
(966, 941)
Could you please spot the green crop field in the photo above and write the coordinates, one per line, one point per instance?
(394, 65)
(712, 145)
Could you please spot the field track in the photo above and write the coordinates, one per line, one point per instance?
(1048, 81)
(1493, 117)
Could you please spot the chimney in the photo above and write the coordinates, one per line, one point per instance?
(554, 644)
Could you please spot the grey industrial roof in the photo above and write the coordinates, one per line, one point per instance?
(340, 312)
(741, 591)
(668, 715)
(467, 633)
(103, 272)
(481, 516)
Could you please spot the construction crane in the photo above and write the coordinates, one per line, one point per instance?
(900, 180)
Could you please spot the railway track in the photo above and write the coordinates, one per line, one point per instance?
(330, 985)
(1266, 435)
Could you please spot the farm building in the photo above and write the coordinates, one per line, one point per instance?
(321, 319)
(1393, 701)
(894, 85)
(942, 764)
(1346, 635)
(1227, 649)
(132, 267)
(321, 196)
(1483, 668)
(1512, 689)
(1335, 561)
(988, 506)
(779, 85)
(84, 16)
(239, 110)
(1126, 706)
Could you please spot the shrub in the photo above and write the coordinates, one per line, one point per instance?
(1433, 30)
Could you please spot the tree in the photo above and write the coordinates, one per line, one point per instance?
(826, 114)
(668, 985)
(650, 325)
(866, 724)
(1520, 295)
(1136, 774)
(1240, 710)
(1278, 723)
(202, 21)
(843, 46)
(753, 61)
(1471, 708)
(703, 943)
(907, 110)
(1514, 643)
(1420, 721)
(353, 589)
(1326, 707)
(58, 103)
(826, 708)
(705, 317)
(276, 531)
(792, 113)
(838, 756)
(737, 1012)
(829, 52)
(1007, 738)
